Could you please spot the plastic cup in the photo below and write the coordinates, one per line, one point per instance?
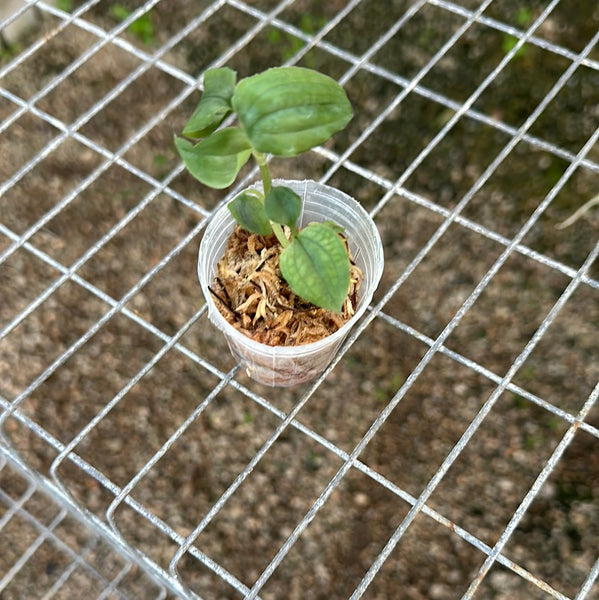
(292, 365)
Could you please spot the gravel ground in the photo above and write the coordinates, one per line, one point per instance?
(62, 555)
(557, 538)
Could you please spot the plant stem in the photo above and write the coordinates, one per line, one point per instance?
(267, 184)
(278, 231)
(264, 171)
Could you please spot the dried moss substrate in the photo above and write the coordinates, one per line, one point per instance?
(251, 294)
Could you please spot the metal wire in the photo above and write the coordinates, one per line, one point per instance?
(59, 544)
(57, 482)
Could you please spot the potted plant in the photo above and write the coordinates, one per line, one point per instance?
(286, 265)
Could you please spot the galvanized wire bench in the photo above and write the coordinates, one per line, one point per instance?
(451, 448)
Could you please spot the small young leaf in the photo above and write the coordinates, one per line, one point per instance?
(287, 110)
(283, 205)
(248, 211)
(316, 267)
(334, 226)
(215, 104)
(216, 160)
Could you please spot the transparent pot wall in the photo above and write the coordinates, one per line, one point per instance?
(285, 366)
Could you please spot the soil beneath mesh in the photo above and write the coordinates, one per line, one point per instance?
(251, 294)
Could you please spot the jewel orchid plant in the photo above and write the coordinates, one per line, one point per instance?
(282, 111)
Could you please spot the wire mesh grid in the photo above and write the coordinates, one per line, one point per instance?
(47, 553)
(450, 449)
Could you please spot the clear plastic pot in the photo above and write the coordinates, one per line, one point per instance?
(291, 365)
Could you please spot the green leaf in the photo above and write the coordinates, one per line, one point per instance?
(66, 5)
(316, 267)
(287, 110)
(216, 160)
(142, 27)
(283, 205)
(334, 227)
(248, 210)
(215, 104)
(120, 12)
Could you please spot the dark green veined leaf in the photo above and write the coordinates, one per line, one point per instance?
(287, 110)
(216, 160)
(215, 104)
(248, 210)
(316, 267)
(283, 205)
